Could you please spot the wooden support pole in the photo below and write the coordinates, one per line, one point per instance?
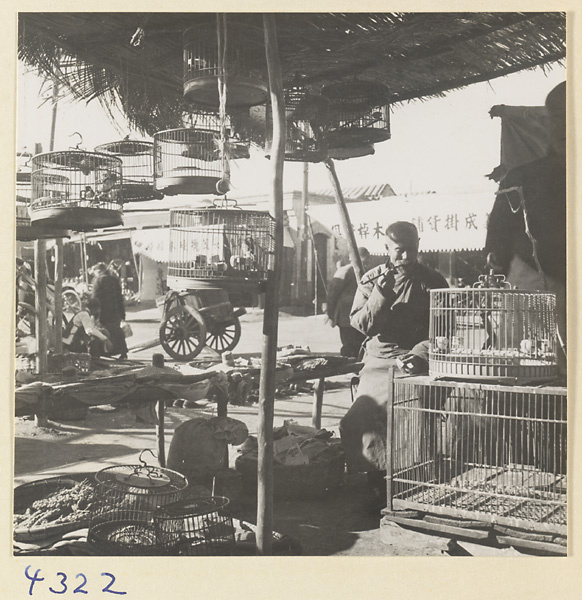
(318, 389)
(347, 228)
(158, 361)
(58, 301)
(41, 411)
(41, 306)
(271, 314)
(390, 440)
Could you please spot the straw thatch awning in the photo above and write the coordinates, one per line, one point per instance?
(418, 55)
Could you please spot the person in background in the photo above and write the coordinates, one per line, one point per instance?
(107, 290)
(391, 308)
(526, 233)
(340, 296)
(83, 334)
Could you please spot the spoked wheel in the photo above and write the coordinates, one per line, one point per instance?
(71, 301)
(223, 337)
(183, 333)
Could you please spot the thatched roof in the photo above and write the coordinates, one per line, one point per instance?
(418, 55)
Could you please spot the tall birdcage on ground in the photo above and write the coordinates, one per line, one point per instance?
(76, 190)
(219, 246)
(241, 58)
(306, 115)
(203, 525)
(126, 497)
(137, 159)
(359, 113)
(492, 453)
(491, 331)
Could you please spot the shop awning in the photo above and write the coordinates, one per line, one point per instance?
(445, 222)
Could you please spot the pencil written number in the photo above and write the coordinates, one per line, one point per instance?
(76, 585)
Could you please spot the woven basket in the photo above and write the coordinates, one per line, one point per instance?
(27, 493)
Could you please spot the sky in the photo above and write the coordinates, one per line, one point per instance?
(443, 145)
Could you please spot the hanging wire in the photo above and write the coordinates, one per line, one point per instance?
(221, 29)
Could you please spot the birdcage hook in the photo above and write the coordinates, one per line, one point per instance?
(150, 471)
(78, 146)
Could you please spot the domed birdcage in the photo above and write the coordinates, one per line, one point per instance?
(26, 230)
(244, 66)
(76, 190)
(219, 246)
(137, 160)
(359, 113)
(491, 331)
(306, 115)
(187, 161)
(126, 497)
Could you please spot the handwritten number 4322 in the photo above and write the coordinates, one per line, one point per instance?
(62, 587)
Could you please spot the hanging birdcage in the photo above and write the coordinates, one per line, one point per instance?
(203, 525)
(26, 230)
(244, 66)
(187, 161)
(137, 160)
(126, 497)
(221, 246)
(359, 113)
(493, 332)
(76, 190)
(306, 115)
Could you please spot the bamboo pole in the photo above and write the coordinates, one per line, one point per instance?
(40, 299)
(271, 314)
(345, 220)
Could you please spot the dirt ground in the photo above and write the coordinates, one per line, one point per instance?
(335, 525)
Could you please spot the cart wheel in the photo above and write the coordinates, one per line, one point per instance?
(182, 333)
(71, 301)
(223, 337)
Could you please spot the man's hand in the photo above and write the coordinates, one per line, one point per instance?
(107, 345)
(329, 320)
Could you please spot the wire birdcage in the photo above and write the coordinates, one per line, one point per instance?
(359, 113)
(126, 497)
(76, 190)
(187, 161)
(137, 160)
(220, 246)
(245, 66)
(203, 525)
(489, 332)
(306, 115)
(493, 453)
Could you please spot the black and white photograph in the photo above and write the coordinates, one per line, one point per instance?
(289, 284)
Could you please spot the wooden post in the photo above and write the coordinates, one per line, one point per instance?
(41, 306)
(41, 412)
(390, 440)
(318, 389)
(158, 361)
(271, 314)
(58, 300)
(345, 220)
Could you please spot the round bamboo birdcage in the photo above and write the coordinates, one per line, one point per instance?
(204, 526)
(187, 161)
(306, 115)
(219, 247)
(76, 190)
(244, 66)
(491, 331)
(126, 497)
(359, 113)
(137, 161)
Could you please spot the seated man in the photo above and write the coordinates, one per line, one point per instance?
(391, 308)
(82, 334)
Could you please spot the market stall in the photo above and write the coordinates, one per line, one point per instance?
(482, 46)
